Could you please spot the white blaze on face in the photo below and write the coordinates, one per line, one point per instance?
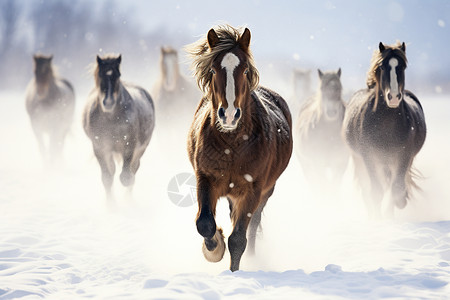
(394, 102)
(229, 63)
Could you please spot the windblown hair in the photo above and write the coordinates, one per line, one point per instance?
(203, 57)
(373, 75)
(377, 61)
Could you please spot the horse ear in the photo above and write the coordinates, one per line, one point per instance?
(381, 47)
(213, 39)
(339, 72)
(50, 57)
(403, 47)
(320, 73)
(244, 40)
(119, 59)
(99, 60)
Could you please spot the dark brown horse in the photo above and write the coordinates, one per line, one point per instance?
(321, 150)
(119, 119)
(385, 127)
(50, 103)
(239, 143)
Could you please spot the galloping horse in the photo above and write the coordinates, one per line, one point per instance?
(119, 119)
(320, 147)
(171, 92)
(239, 143)
(173, 89)
(50, 103)
(385, 127)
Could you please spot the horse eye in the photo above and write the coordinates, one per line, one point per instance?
(212, 71)
(246, 71)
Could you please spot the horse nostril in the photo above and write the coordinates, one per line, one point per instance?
(389, 96)
(221, 112)
(399, 96)
(237, 115)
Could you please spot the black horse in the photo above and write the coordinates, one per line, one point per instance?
(385, 127)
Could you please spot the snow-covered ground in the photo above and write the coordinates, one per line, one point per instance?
(59, 239)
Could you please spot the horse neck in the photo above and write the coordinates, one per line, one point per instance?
(45, 84)
(174, 72)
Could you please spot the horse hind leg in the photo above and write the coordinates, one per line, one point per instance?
(399, 191)
(255, 222)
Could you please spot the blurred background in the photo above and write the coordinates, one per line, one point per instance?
(285, 35)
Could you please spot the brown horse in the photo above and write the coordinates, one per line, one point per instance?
(239, 143)
(119, 119)
(321, 150)
(385, 127)
(50, 103)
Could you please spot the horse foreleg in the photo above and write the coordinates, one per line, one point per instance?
(237, 242)
(255, 221)
(214, 244)
(127, 176)
(108, 169)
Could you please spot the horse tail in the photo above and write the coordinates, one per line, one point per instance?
(412, 176)
(68, 84)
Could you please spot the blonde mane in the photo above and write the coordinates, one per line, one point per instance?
(378, 58)
(203, 56)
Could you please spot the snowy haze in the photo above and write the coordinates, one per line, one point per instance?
(60, 240)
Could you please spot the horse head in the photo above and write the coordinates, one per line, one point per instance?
(43, 72)
(230, 86)
(108, 81)
(331, 92)
(391, 73)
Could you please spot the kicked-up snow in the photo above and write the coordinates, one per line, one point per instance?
(59, 239)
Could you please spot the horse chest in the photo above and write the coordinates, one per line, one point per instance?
(114, 132)
(389, 131)
(221, 159)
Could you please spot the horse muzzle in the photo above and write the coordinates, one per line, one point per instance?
(108, 104)
(393, 101)
(229, 118)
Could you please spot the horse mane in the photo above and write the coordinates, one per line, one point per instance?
(310, 112)
(377, 60)
(203, 56)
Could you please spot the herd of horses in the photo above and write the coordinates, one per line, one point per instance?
(242, 134)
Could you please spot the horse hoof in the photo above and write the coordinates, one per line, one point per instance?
(206, 225)
(400, 203)
(127, 179)
(217, 243)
